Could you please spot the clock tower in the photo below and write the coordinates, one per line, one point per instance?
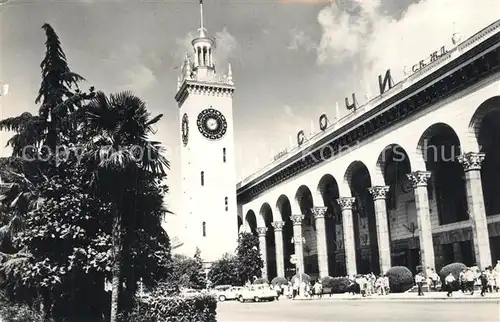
(208, 205)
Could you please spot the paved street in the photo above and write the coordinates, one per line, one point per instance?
(361, 310)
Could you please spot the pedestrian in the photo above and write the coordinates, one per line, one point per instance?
(484, 282)
(295, 288)
(419, 280)
(461, 280)
(318, 289)
(449, 280)
(469, 281)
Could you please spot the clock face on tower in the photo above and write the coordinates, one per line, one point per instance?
(212, 124)
(185, 129)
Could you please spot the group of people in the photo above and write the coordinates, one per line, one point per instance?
(370, 284)
(488, 280)
(366, 285)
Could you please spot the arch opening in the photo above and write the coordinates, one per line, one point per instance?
(365, 228)
(329, 190)
(440, 148)
(394, 164)
(485, 124)
(305, 201)
(267, 216)
(285, 209)
(251, 221)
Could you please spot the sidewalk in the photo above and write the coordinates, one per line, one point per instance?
(409, 296)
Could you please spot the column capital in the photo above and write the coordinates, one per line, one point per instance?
(278, 225)
(319, 212)
(262, 231)
(471, 160)
(378, 192)
(297, 219)
(419, 178)
(346, 202)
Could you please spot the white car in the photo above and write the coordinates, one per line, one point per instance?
(227, 292)
(188, 292)
(258, 293)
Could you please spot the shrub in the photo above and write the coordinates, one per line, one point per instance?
(327, 281)
(279, 280)
(174, 309)
(261, 280)
(455, 269)
(400, 279)
(340, 285)
(306, 278)
(19, 312)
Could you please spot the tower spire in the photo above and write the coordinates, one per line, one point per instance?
(202, 27)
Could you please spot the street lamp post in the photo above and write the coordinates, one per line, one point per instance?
(297, 271)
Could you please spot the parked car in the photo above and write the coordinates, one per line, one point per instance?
(188, 292)
(227, 292)
(257, 293)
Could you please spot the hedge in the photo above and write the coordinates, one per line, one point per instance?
(174, 309)
(337, 285)
(261, 281)
(455, 269)
(400, 279)
(279, 280)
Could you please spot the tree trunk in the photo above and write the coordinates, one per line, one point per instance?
(116, 269)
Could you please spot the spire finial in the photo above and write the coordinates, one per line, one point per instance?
(202, 27)
(229, 73)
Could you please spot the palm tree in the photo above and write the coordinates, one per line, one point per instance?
(118, 127)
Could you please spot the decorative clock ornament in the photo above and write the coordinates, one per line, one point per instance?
(185, 129)
(212, 124)
(323, 122)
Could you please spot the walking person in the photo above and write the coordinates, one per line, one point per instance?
(295, 288)
(318, 289)
(469, 281)
(461, 280)
(419, 280)
(449, 284)
(484, 282)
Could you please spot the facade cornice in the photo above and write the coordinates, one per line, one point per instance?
(457, 74)
(217, 87)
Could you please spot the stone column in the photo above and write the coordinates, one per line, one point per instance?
(419, 180)
(345, 204)
(278, 241)
(384, 243)
(263, 249)
(297, 240)
(475, 203)
(319, 217)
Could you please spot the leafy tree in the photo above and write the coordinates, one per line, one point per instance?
(95, 208)
(188, 272)
(224, 271)
(198, 279)
(249, 261)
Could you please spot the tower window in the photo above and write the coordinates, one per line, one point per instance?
(226, 203)
(204, 229)
(202, 177)
(224, 155)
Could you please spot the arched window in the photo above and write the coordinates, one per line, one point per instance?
(202, 178)
(226, 203)
(224, 155)
(204, 229)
